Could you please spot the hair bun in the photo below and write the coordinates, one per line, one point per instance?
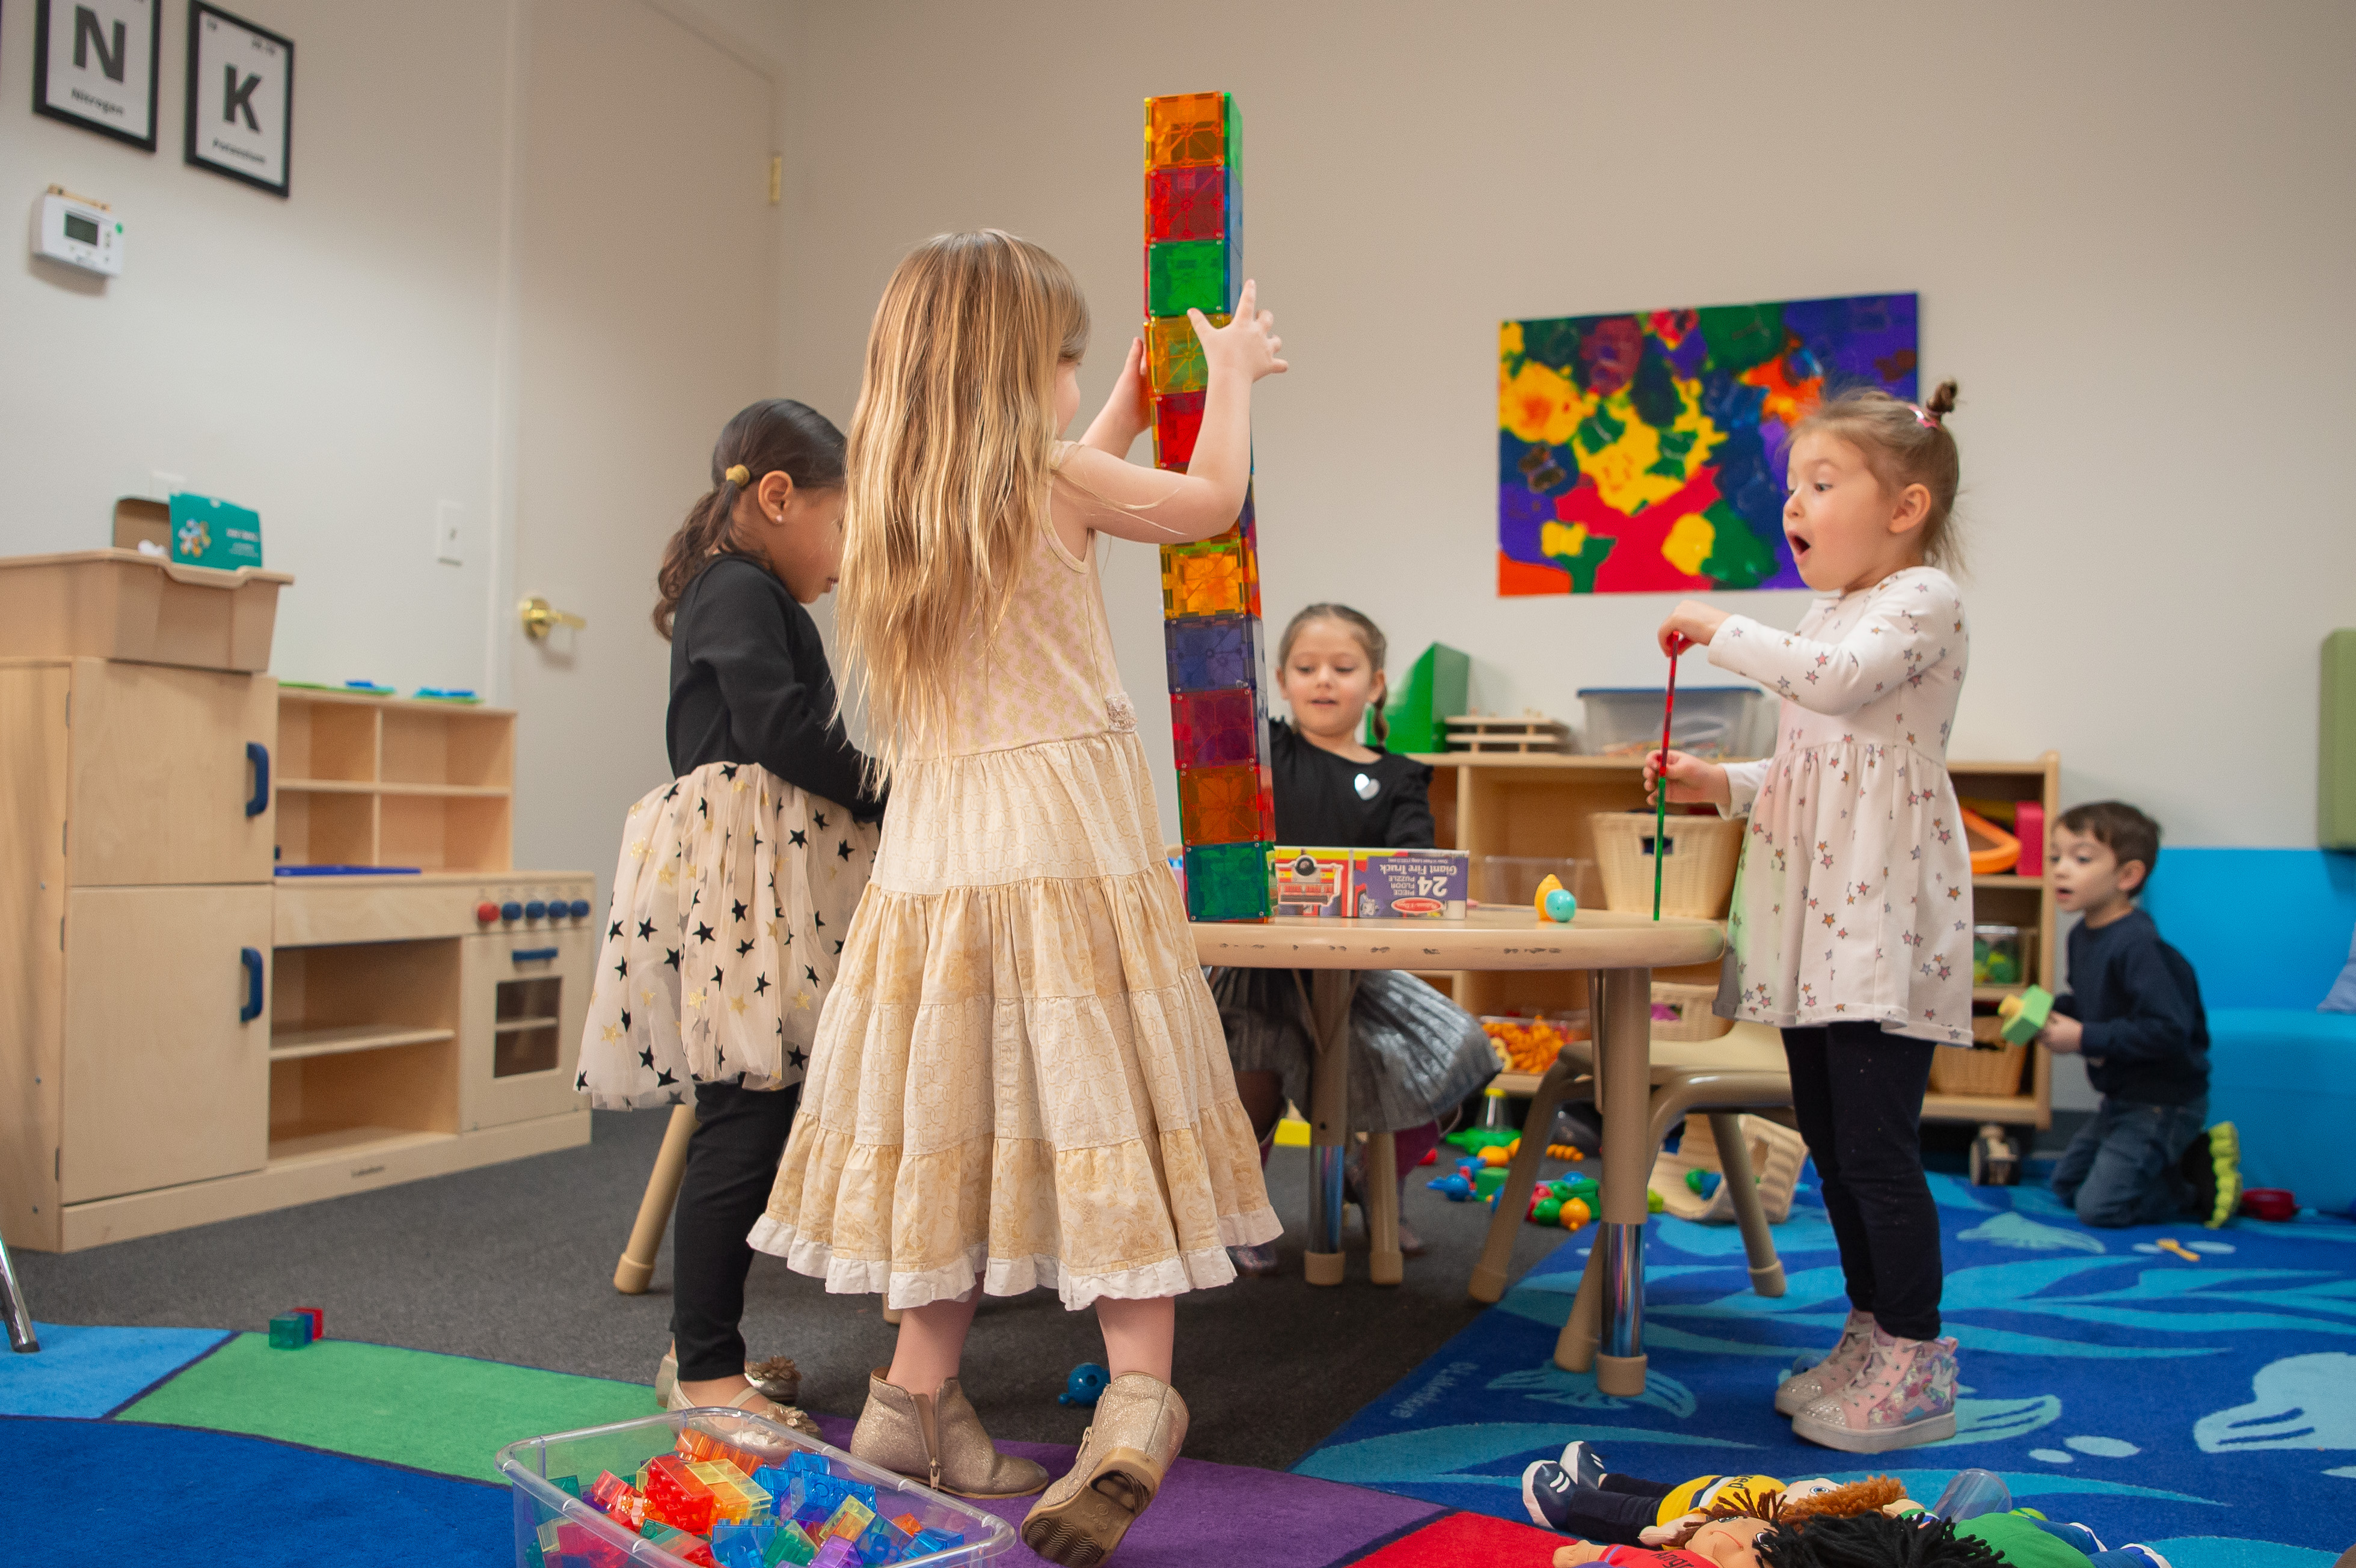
(1942, 401)
(740, 475)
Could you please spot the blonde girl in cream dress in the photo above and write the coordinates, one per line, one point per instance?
(1019, 1080)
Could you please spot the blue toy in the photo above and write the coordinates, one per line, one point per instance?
(1084, 1385)
(1456, 1188)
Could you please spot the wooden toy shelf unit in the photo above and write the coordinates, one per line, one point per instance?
(187, 1031)
(1539, 805)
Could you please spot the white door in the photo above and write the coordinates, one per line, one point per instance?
(648, 278)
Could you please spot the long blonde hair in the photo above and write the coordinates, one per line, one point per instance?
(952, 454)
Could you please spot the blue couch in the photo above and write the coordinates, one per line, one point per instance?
(2267, 930)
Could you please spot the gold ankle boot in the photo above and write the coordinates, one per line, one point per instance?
(937, 1439)
(1139, 1424)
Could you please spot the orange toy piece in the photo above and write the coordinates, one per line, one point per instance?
(1564, 1151)
(1993, 849)
(1526, 1045)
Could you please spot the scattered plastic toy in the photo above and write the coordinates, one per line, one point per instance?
(297, 1326)
(1452, 1187)
(2167, 1244)
(1564, 1151)
(2269, 1203)
(1085, 1384)
(2024, 1013)
(1705, 1182)
(1554, 900)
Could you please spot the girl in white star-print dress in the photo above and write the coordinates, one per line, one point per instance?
(1851, 924)
(738, 878)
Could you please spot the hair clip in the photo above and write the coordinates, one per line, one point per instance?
(1925, 417)
(740, 475)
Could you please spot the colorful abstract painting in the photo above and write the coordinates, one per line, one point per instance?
(1644, 453)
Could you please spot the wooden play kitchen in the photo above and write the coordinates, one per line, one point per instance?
(1536, 807)
(191, 1026)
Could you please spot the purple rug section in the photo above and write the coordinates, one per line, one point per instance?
(1224, 1513)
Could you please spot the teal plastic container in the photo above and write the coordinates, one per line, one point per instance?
(554, 1528)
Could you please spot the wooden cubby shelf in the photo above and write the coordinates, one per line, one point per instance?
(1539, 805)
(374, 781)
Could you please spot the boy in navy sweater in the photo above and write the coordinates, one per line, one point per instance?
(2134, 1012)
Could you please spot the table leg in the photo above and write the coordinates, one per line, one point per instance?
(1379, 1187)
(637, 1264)
(1742, 1190)
(13, 1307)
(1623, 1044)
(1330, 994)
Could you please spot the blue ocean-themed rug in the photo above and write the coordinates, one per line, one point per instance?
(2206, 1408)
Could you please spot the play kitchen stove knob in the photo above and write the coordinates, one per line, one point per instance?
(487, 912)
(534, 910)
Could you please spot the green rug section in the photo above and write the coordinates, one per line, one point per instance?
(445, 1413)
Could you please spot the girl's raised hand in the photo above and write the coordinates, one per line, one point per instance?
(1695, 621)
(1124, 410)
(1691, 780)
(1247, 343)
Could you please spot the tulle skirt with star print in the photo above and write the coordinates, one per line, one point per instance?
(731, 902)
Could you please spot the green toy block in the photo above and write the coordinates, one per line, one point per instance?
(1227, 882)
(1188, 274)
(2021, 1023)
(1472, 1140)
(1487, 1179)
(289, 1331)
(1438, 684)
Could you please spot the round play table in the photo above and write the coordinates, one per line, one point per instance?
(1619, 950)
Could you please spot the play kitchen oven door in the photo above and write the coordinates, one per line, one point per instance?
(525, 995)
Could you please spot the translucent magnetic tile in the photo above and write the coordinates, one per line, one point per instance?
(1215, 729)
(1173, 355)
(1186, 204)
(1187, 274)
(1219, 806)
(1177, 421)
(1186, 129)
(1227, 882)
(1198, 579)
(1207, 656)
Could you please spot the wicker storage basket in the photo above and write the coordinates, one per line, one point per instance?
(1687, 1012)
(1965, 1070)
(1696, 875)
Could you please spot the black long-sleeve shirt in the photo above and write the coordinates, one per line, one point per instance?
(1322, 801)
(749, 683)
(2147, 1037)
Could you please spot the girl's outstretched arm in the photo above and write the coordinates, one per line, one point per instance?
(1101, 491)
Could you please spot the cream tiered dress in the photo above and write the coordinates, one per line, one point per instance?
(1020, 1077)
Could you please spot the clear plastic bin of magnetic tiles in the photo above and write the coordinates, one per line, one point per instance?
(1210, 590)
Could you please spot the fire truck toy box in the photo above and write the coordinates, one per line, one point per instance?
(1409, 884)
(1310, 881)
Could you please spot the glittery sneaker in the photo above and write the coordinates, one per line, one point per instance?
(1904, 1396)
(1832, 1375)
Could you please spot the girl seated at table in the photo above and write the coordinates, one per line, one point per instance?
(1415, 1055)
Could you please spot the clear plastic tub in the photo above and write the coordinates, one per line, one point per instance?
(554, 1529)
(1710, 720)
(1512, 880)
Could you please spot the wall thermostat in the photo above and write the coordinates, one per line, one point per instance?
(78, 232)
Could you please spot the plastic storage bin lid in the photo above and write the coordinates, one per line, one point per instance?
(1682, 690)
(534, 1466)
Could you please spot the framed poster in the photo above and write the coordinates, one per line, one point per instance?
(241, 99)
(94, 64)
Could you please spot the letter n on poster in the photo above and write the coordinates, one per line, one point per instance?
(241, 99)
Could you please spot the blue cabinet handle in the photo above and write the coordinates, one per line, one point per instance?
(533, 955)
(258, 755)
(251, 958)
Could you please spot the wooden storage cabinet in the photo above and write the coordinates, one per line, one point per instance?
(372, 781)
(170, 774)
(1539, 805)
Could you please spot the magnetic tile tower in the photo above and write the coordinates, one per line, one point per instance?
(1210, 590)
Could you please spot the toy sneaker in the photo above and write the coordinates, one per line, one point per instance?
(1832, 1375)
(1259, 1259)
(1547, 1484)
(1904, 1396)
(2212, 1164)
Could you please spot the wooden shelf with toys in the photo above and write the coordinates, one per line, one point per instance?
(1515, 813)
(383, 781)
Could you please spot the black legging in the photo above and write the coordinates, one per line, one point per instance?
(732, 1163)
(1858, 1092)
(1616, 1511)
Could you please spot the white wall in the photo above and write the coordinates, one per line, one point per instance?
(2127, 221)
(326, 359)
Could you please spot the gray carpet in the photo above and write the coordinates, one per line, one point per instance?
(515, 1263)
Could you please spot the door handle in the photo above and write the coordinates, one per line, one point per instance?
(258, 755)
(539, 618)
(533, 955)
(251, 958)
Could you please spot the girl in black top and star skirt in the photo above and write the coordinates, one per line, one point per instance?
(737, 877)
(1415, 1055)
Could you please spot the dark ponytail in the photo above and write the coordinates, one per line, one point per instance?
(775, 436)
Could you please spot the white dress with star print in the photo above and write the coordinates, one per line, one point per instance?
(1854, 902)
